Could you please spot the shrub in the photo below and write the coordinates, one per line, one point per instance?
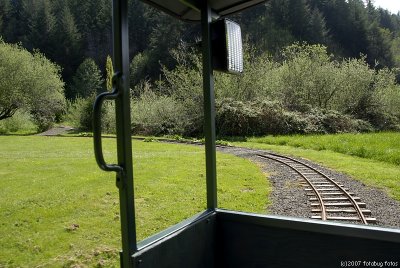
(328, 121)
(154, 114)
(335, 122)
(108, 123)
(74, 111)
(80, 115)
(21, 121)
(294, 122)
(304, 91)
(382, 120)
(274, 119)
(236, 118)
(86, 114)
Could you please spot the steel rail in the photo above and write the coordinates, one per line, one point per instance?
(262, 154)
(321, 202)
(351, 199)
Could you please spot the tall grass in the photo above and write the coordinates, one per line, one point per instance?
(383, 146)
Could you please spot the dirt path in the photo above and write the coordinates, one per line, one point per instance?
(56, 131)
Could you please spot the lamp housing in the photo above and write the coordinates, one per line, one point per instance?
(227, 49)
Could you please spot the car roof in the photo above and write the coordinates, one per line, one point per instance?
(189, 10)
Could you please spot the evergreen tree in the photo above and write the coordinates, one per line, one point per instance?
(270, 32)
(5, 9)
(95, 25)
(41, 27)
(299, 16)
(109, 73)
(68, 42)
(140, 25)
(386, 20)
(379, 47)
(87, 80)
(395, 48)
(279, 10)
(69, 31)
(320, 33)
(163, 28)
(371, 11)
(17, 27)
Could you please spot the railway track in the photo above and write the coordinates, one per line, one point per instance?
(329, 199)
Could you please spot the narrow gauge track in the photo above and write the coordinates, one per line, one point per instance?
(330, 200)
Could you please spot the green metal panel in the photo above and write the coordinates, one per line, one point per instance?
(224, 238)
(188, 244)
(248, 240)
(317, 226)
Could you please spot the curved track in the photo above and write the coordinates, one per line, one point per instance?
(330, 200)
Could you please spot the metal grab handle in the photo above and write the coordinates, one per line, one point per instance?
(98, 149)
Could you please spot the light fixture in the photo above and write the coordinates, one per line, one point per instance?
(227, 49)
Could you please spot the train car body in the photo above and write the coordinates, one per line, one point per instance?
(215, 237)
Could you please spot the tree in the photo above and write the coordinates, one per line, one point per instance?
(36, 26)
(93, 19)
(299, 19)
(379, 47)
(87, 80)
(5, 9)
(139, 68)
(67, 32)
(109, 72)
(141, 26)
(15, 28)
(396, 51)
(319, 32)
(30, 82)
(68, 39)
(307, 77)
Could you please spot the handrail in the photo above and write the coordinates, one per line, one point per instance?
(98, 149)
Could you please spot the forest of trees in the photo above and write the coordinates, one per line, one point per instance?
(76, 35)
(68, 32)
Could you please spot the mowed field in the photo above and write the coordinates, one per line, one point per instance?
(57, 209)
(372, 158)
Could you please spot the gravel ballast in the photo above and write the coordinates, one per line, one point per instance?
(288, 197)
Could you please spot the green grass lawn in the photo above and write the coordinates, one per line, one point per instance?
(372, 158)
(59, 210)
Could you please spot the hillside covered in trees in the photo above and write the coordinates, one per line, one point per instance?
(67, 32)
(347, 53)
